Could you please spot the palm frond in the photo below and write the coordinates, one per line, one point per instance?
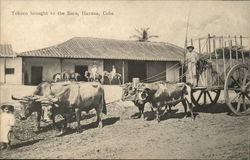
(135, 36)
(153, 36)
(138, 31)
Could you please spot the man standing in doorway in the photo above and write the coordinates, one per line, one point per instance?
(113, 72)
(94, 72)
(192, 58)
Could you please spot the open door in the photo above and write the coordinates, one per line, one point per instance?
(36, 75)
(137, 69)
(81, 70)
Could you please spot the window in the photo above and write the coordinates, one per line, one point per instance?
(9, 70)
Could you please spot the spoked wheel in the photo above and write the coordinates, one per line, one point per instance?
(237, 89)
(204, 96)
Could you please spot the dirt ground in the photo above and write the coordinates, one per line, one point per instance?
(214, 134)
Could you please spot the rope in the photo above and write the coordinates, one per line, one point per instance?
(152, 78)
(156, 79)
(159, 73)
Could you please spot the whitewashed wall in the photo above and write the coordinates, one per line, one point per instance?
(52, 66)
(15, 63)
(172, 71)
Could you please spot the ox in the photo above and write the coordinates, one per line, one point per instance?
(28, 106)
(130, 92)
(33, 103)
(161, 94)
(65, 76)
(64, 98)
(76, 97)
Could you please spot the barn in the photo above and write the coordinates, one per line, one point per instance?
(149, 61)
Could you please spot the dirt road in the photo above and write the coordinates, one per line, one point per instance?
(213, 135)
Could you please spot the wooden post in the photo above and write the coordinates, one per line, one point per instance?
(236, 49)
(191, 41)
(123, 72)
(206, 46)
(61, 70)
(241, 45)
(230, 51)
(217, 63)
(4, 70)
(209, 47)
(224, 58)
(199, 46)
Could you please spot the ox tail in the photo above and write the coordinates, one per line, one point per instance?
(104, 108)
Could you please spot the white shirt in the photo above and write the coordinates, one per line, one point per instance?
(94, 70)
(192, 57)
(7, 120)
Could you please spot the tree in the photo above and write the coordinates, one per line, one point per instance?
(143, 35)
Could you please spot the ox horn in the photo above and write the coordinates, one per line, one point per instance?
(34, 97)
(40, 99)
(19, 99)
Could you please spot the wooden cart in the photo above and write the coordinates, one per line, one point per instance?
(225, 67)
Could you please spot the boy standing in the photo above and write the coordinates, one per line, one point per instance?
(7, 122)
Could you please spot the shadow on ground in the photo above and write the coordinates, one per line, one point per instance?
(149, 115)
(27, 143)
(106, 122)
(216, 108)
(60, 122)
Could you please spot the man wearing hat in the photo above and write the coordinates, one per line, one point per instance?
(192, 58)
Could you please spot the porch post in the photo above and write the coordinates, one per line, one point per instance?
(4, 70)
(61, 60)
(123, 72)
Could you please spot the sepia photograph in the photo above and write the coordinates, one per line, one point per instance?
(124, 79)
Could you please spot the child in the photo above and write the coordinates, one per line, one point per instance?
(7, 122)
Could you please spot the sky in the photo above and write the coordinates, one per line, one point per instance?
(167, 19)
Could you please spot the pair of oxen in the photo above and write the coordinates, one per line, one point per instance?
(66, 99)
(159, 94)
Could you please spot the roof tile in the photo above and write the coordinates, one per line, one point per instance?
(6, 51)
(96, 48)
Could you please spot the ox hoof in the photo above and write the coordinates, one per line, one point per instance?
(100, 125)
(9, 147)
(158, 120)
(78, 131)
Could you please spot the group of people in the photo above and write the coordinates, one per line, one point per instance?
(94, 73)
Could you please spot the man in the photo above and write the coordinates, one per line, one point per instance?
(94, 72)
(113, 72)
(192, 58)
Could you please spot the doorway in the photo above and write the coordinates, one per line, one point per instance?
(36, 75)
(81, 69)
(137, 69)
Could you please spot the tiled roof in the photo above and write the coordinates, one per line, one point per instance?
(96, 48)
(6, 51)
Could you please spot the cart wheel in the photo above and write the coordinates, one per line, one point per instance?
(204, 97)
(237, 89)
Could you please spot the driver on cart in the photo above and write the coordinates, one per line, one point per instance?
(192, 58)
